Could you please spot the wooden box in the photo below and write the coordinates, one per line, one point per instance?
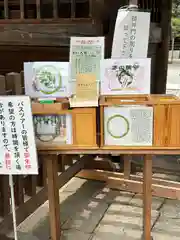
(154, 122)
(166, 120)
(64, 128)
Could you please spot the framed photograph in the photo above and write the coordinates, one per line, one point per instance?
(128, 126)
(46, 79)
(125, 76)
(53, 130)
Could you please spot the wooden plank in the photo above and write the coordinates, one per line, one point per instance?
(19, 189)
(30, 185)
(137, 187)
(2, 85)
(46, 34)
(119, 150)
(38, 9)
(41, 178)
(6, 9)
(5, 194)
(22, 9)
(53, 196)
(55, 9)
(115, 180)
(73, 8)
(147, 197)
(13, 83)
(61, 163)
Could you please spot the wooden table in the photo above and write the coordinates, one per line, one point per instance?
(53, 185)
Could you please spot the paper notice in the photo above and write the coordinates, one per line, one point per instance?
(86, 91)
(128, 126)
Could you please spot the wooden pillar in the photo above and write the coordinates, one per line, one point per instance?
(163, 47)
(53, 196)
(147, 197)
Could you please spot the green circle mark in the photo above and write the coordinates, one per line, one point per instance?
(127, 126)
(59, 85)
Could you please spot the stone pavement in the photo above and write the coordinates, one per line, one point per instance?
(91, 211)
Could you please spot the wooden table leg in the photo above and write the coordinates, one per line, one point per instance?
(147, 197)
(127, 166)
(53, 196)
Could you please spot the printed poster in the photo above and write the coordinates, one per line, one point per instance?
(17, 142)
(128, 126)
(131, 34)
(85, 56)
(46, 79)
(53, 130)
(125, 76)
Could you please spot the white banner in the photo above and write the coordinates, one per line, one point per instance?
(131, 35)
(17, 142)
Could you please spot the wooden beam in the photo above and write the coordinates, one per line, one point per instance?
(163, 48)
(53, 196)
(38, 9)
(22, 9)
(147, 197)
(55, 9)
(46, 34)
(6, 9)
(127, 166)
(114, 180)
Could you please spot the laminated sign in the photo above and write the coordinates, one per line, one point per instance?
(125, 76)
(85, 56)
(131, 35)
(46, 79)
(128, 125)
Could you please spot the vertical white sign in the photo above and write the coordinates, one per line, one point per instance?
(17, 142)
(131, 34)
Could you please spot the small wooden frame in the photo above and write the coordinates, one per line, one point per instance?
(166, 118)
(83, 125)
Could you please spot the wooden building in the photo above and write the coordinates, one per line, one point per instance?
(32, 30)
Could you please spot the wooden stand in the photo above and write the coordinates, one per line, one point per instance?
(119, 181)
(166, 140)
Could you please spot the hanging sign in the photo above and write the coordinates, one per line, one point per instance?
(17, 143)
(131, 35)
(85, 56)
(46, 79)
(125, 76)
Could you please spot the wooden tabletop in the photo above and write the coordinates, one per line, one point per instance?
(101, 151)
